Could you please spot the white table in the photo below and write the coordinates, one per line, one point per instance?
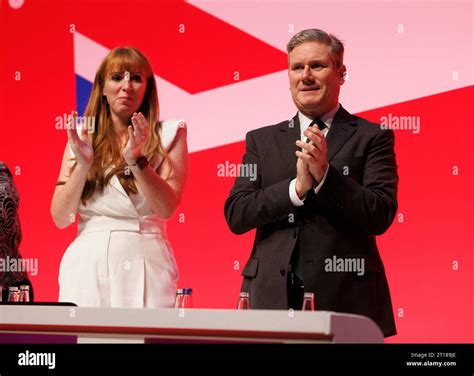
(107, 325)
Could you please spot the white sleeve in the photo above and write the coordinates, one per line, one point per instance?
(295, 200)
(319, 186)
(168, 131)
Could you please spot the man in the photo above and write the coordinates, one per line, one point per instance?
(320, 197)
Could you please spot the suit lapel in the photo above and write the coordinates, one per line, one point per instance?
(115, 182)
(288, 133)
(342, 128)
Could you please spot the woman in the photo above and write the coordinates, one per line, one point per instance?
(10, 236)
(124, 176)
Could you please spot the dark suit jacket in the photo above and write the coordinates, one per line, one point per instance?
(357, 201)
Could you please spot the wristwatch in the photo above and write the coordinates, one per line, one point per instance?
(141, 163)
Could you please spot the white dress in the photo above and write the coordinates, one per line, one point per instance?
(121, 256)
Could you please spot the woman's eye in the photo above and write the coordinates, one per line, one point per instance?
(137, 78)
(116, 77)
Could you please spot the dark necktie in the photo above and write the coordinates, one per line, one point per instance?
(297, 264)
(319, 122)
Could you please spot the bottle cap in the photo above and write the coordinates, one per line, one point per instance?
(24, 287)
(187, 291)
(13, 288)
(309, 295)
(244, 294)
(179, 291)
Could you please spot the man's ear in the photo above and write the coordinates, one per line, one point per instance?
(342, 74)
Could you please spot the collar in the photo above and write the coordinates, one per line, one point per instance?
(327, 118)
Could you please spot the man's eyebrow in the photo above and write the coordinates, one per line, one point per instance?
(320, 61)
(294, 64)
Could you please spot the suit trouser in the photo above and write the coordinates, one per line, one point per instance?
(295, 291)
(294, 284)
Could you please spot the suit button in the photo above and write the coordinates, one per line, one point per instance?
(282, 272)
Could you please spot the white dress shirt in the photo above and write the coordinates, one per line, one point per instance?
(305, 121)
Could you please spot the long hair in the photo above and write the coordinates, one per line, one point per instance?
(107, 149)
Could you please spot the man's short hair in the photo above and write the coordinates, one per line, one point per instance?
(336, 48)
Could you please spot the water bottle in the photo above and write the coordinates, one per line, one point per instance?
(13, 294)
(179, 298)
(187, 301)
(308, 301)
(244, 301)
(24, 293)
